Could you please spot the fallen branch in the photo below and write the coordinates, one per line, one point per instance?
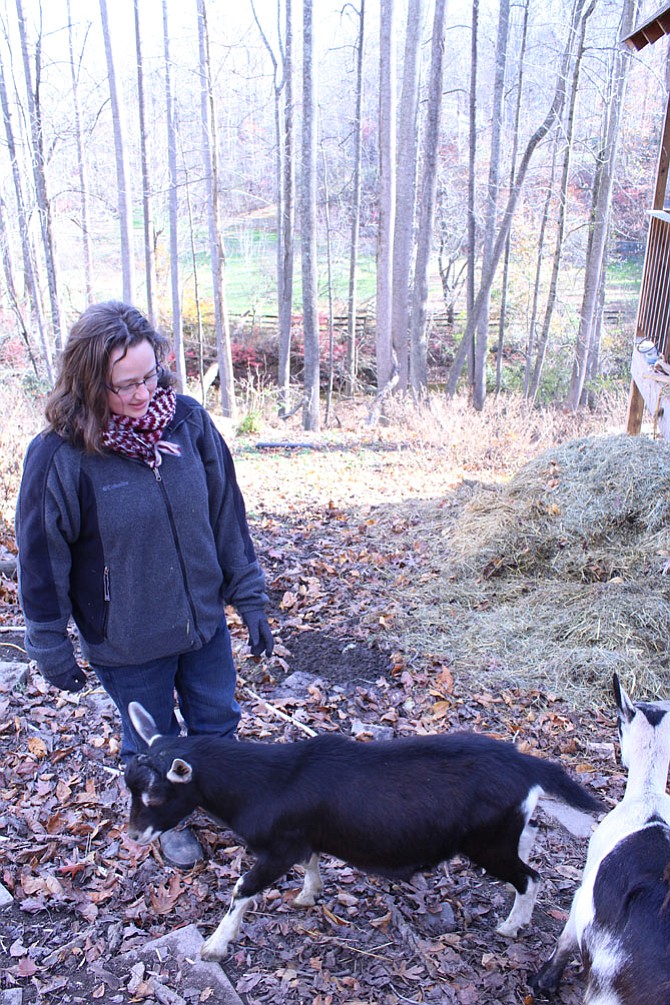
(278, 712)
(282, 445)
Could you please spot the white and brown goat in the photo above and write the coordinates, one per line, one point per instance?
(620, 916)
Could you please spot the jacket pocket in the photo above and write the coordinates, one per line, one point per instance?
(90, 608)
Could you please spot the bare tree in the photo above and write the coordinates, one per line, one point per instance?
(471, 274)
(81, 164)
(30, 276)
(282, 66)
(534, 340)
(216, 252)
(491, 212)
(406, 173)
(177, 333)
(387, 195)
(580, 19)
(424, 242)
(512, 169)
(588, 334)
(310, 412)
(39, 169)
(7, 268)
(554, 113)
(122, 172)
(355, 209)
(147, 217)
(286, 214)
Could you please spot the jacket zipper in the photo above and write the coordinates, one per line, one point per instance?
(107, 595)
(170, 515)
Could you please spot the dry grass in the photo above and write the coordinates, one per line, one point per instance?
(554, 579)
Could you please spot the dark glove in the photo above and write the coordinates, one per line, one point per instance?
(71, 678)
(260, 633)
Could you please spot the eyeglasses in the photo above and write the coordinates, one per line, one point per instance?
(128, 389)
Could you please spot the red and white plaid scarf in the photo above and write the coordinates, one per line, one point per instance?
(142, 438)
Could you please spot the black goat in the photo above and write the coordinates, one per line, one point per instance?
(390, 808)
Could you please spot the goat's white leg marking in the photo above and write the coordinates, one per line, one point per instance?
(527, 840)
(216, 946)
(522, 910)
(312, 884)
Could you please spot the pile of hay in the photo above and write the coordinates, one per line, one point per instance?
(554, 579)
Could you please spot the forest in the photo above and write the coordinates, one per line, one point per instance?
(383, 198)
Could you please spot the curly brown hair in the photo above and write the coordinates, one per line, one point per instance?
(77, 407)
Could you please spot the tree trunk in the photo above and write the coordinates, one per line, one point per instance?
(285, 187)
(595, 263)
(405, 206)
(387, 193)
(471, 274)
(578, 29)
(39, 171)
(539, 265)
(30, 277)
(310, 412)
(177, 332)
(286, 213)
(554, 113)
(210, 161)
(81, 167)
(149, 261)
(426, 215)
(355, 210)
(329, 274)
(508, 244)
(122, 174)
(493, 191)
(8, 269)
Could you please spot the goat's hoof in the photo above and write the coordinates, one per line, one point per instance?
(213, 953)
(545, 980)
(510, 931)
(304, 900)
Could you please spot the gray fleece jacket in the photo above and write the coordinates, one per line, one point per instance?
(142, 560)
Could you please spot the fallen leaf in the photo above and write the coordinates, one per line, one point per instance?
(37, 747)
(25, 968)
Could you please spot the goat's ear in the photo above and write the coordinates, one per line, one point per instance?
(180, 772)
(143, 722)
(624, 704)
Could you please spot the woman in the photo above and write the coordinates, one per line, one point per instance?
(130, 521)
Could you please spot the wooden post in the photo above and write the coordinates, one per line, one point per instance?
(635, 410)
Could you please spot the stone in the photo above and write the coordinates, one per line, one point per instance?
(5, 897)
(183, 947)
(12, 675)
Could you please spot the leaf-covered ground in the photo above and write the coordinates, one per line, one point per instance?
(337, 570)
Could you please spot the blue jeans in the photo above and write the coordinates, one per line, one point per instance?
(204, 680)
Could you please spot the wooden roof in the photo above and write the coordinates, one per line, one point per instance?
(651, 30)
